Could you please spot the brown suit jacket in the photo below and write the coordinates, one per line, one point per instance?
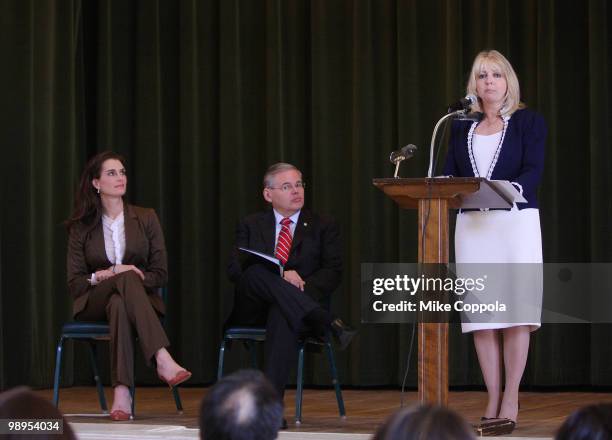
(144, 248)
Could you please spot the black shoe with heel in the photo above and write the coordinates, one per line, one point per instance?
(495, 427)
(490, 426)
(342, 332)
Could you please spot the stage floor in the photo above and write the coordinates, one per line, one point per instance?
(540, 416)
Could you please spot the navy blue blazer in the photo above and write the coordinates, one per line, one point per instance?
(520, 159)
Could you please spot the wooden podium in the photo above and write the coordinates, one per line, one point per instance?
(433, 197)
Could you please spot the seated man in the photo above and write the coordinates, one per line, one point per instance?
(308, 246)
(241, 406)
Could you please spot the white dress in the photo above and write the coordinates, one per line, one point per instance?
(500, 237)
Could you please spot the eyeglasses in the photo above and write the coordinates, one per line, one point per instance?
(286, 187)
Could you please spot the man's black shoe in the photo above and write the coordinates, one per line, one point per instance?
(342, 332)
(284, 424)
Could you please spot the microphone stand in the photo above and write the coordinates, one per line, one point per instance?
(397, 164)
(461, 113)
(396, 157)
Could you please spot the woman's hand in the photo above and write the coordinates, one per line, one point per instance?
(125, 267)
(104, 274)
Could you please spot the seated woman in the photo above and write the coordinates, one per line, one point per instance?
(116, 264)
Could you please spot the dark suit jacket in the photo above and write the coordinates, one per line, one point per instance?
(316, 250)
(144, 248)
(521, 158)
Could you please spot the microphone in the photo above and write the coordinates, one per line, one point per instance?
(474, 117)
(402, 154)
(463, 104)
(396, 157)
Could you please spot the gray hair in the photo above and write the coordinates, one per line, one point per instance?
(241, 406)
(275, 169)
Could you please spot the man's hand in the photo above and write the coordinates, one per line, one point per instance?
(294, 278)
(125, 267)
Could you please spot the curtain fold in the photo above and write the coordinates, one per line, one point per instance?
(201, 96)
(40, 136)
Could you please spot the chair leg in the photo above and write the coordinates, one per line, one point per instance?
(58, 370)
(253, 352)
(299, 385)
(94, 366)
(177, 400)
(221, 360)
(133, 396)
(336, 382)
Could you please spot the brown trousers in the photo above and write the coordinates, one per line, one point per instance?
(123, 301)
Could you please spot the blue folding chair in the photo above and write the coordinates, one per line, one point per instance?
(91, 332)
(251, 335)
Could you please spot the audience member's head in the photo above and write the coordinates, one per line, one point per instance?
(425, 423)
(592, 422)
(22, 403)
(241, 406)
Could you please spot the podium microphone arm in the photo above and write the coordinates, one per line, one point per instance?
(433, 139)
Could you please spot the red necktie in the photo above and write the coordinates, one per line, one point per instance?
(283, 247)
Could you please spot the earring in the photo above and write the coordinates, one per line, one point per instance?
(98, 190)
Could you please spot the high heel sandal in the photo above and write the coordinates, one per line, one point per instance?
(119, 416)
(178, 379)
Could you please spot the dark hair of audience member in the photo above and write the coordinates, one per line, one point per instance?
(425, 423)
(593, 422)
(22, 403)
(241, 406)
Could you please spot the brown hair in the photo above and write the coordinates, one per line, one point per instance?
(87, 206)
(425, 422)
(589, 422)
(20, 404)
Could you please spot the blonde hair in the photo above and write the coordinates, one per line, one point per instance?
(492, 58)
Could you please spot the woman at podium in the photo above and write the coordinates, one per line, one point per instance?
(506, 143)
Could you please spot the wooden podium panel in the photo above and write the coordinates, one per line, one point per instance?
(433, 197)
(433, 337)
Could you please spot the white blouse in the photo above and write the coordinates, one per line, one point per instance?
(114, 240)
(485, 147)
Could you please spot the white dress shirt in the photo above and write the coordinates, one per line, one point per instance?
(114, 240)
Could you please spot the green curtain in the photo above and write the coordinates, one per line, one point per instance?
(202, 95)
